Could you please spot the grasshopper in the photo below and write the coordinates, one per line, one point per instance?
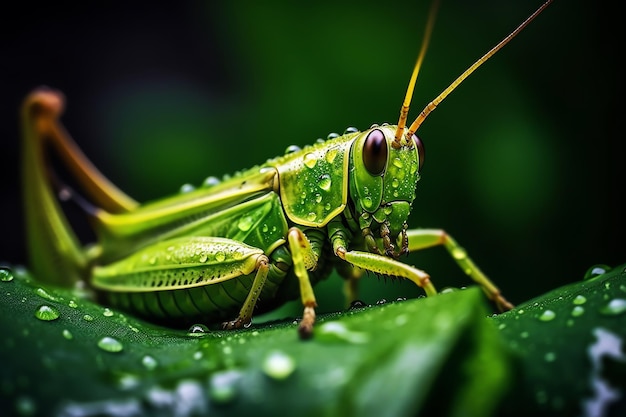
(250, 242)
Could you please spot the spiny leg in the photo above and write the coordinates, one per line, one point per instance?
(304, 258)
(245, 314)
(55, 252)
(426, 238)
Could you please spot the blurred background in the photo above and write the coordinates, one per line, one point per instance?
(524, 161)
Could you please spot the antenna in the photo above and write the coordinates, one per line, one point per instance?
(404, 111)
(433, 104)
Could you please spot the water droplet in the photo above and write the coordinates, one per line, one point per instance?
(87, 317)
(107, 312)
(459, 253)
(310, 160)
(211, 181)
(325, 182)
(596, 270)
(203, 258)
(381, 301)
(149, 362)
(397, 162)
(110, 344)
(72, 304)
(357, 304)
(223, 386)
(278, 365)
(292, 149)
(311, 216)
(388, 210)
(367, 202)
(67, 334)
(46, 313)
(401, 320)
(245, 223)
(331, 155)
(327, 207)
(332, 135)
(579, 300)
(350, 129)
(395, 183)
(5, 274)
(614, 307)
(578, 311)
(547, 315)
(45, 294)
(186, 188)
(318, 198)
(197, 330)
(264, 228)
(338, 331)
(220, 256)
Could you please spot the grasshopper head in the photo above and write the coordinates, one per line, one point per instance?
(383, 178)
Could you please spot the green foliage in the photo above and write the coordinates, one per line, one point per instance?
(65, 356)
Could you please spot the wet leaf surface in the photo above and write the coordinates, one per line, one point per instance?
(63, 355)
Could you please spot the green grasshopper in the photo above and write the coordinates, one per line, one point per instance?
(246, 244)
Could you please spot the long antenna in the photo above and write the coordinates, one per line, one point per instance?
(433, 104)
(404, 111)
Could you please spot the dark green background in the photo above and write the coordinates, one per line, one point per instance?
(524, 162)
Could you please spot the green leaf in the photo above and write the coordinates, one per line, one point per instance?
(569, 341)
(393, 359)
(63, 355)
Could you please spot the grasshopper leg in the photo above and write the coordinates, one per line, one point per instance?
(304, 258)
(245, 314)
(381, 264)
(55, 251)
(426, 238)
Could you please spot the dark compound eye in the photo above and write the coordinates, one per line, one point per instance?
(420, 150)
(375, 152)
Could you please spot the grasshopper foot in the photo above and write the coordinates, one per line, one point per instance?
(305, 329)
(238, 323)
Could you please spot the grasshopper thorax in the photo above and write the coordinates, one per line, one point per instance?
(382, 181)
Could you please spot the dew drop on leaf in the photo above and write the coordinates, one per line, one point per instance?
(197, 330)
(149, 362)
(547, 315)
(5, 274)
(596, 270)
(67, 334)
(223, 386)
(45, 294)
(110, 344)
(278, 365)
(614, 307)
(46, 313)
(578, 311)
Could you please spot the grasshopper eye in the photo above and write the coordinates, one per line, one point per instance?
(420, 150)
(375, 152)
